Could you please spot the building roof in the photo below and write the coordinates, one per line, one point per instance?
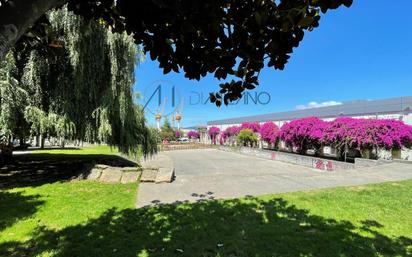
(351, 108)
(195, 127)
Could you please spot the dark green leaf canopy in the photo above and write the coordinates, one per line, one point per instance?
(225, 37)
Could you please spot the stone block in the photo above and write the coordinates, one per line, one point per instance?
(111, 175)
(148, 175)
(101, 166)
(129, 169)
(94, 174)
(165, 175)
(130, 177)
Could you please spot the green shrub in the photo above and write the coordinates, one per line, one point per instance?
(246, 137)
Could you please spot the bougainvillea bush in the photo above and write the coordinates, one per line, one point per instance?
(364, 134)
(178, 134)
(230, 133)
(254, 126)
(393, 134)
(369, 133)
(304, 134)
(213, 132)
(193, 134)
(269, 133)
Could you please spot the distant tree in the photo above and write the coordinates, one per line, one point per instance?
(167, 132)
(247, 137)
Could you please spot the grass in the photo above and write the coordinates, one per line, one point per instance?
(95, 150)
(85, 219)
(54, 164)
(58, 217)
(58, 206)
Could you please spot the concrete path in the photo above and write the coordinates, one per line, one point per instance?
(214, 174)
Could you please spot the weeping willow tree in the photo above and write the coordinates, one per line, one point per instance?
(12, 100)
(80, 85)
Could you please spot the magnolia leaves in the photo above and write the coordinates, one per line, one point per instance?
(227, 38)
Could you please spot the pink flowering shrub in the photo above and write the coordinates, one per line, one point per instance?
(269, 132)
(368, 134)
(346, 131)
(193, 134)
(254, 126)
(178, 134)
(392, 134)
(231, 131)
(304, 134)
(213, 132)
(229, 134)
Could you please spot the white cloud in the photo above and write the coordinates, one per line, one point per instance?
(316, 105)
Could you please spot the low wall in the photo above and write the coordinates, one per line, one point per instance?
(307, 161)
(183, 146)
(361, 162)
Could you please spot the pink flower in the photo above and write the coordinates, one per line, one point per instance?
(193, 134)
(231, 131)
(305, 133)
(269, 132)
(213, 132)
(368, 133)
(254, 126)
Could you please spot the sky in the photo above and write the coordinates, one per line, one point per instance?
(359, 53)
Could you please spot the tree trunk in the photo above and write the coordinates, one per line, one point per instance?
(42, 139)
(37, 140)
(396, 153)
(17, 16)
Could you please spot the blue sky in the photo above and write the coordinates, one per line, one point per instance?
(361, 52)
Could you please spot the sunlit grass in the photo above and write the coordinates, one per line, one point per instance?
(98, 149)
(91, 219)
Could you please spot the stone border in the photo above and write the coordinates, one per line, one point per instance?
(109, 174)
(361, 162)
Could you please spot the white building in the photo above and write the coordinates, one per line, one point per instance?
(393, 108)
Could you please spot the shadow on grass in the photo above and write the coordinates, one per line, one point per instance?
(15, 206)
(34, 149)
(38, 168)
(230, 228)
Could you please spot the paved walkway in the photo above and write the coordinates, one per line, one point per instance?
(210, 174)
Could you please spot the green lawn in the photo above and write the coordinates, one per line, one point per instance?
(95, 150)
(86, 219)
(44, 213)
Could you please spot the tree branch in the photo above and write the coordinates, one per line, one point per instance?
(17, 16)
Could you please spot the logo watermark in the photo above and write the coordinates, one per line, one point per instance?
(165, 97)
